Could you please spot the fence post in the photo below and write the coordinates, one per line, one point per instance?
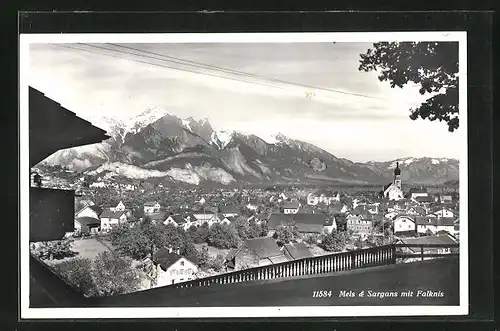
(422, 252)
(393, 252)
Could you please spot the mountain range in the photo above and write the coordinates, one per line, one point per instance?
(156, 144)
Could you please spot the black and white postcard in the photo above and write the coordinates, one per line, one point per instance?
(243, 175)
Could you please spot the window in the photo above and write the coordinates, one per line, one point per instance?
(182, 263)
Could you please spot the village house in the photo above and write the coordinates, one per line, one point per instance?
(158, 217)
(229, 211)
(456, 228)
(110, 218)
(255, 253)
(443, 211)
(322, 196)
(442, 239)
(258, 219)
(179, 221)
(172, 268)
(373, 208)
(87, 225)
(226, 220)
(360, 222)
(92, 211)
(151, 208)
(423, 200)
(416, 210)
(296, 251)
(418, 192)
(405, 225)
(303, 222)
(446, 198)
(282, 197)
(202, 218)
(337, 208)
(253, 204)
(393, 190)
(119, 207)
(434, 225)
(291, 207)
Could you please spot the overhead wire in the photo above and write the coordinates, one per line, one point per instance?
(175, 60)
(203, 65)
(309, 94)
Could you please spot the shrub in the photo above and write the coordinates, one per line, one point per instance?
(285, 235)
(57, 250)
(334, 242)
(217, 264)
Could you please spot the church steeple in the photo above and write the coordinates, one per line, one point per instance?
(397, 176)
(397, 171)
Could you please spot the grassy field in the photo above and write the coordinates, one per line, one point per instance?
(89, 247)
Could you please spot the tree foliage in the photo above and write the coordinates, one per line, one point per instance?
(285, 234)
(107, 275)
(333, 242)
(431, 65)
(217, 263)
(223, 236)
(113, 275)
(145, 238)
(57, 250)
(78, 273)
(254, 229)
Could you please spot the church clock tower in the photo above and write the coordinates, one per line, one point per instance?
(397, 176)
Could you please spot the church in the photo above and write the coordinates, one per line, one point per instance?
(393, 190)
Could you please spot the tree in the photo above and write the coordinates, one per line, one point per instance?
(145, 238)
(203, 257)
(113, 275)
(58, 250)
(431, 65)
(188, 250)
(333, 242)
(132, 242)
(254, 230)
(285, 234)
(222, 236)
(201, 234)
(78, 273)
(217, 263)
(241, 226)
(264, 229)
(341, 222)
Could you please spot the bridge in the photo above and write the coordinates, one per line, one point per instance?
(377, 269)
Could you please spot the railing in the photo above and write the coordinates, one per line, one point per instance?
(375, 256)
(422, 250)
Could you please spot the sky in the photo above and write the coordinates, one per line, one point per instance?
(308, 91)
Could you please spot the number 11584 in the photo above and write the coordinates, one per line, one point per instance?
(322, 294)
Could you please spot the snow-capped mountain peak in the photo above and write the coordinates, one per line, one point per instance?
(136, 123)
(186, 123)
(221, 138)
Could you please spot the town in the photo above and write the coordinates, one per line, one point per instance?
(171, 235)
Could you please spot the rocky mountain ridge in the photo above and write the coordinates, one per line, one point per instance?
(156, 144)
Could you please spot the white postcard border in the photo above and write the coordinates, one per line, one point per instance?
(213, 312)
